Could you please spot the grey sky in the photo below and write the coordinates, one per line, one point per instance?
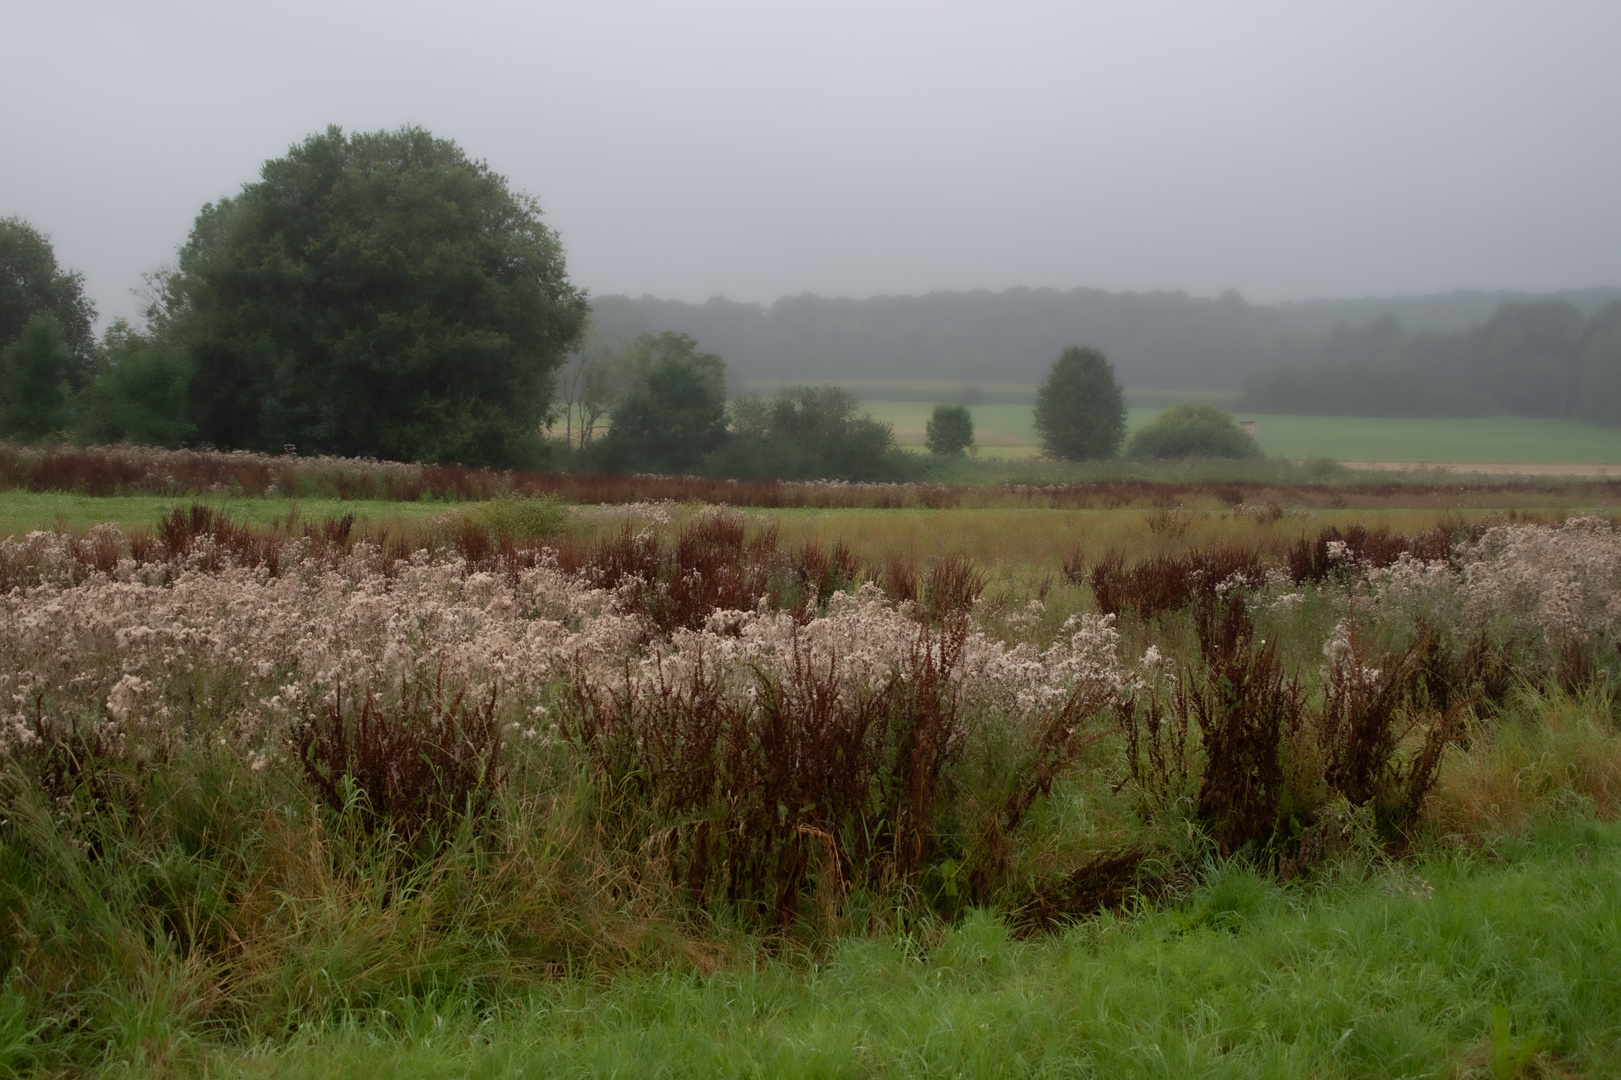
(755, 149)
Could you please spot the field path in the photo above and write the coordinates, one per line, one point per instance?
(1490, 469)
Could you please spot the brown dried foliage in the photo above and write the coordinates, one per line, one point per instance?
(86, 772)
(127, 470)
(416, 765)
(1167, 583)
(116, 470)
(1106, 881)
(746, 802)
(1309, 559)
(1245, 709)
(714, 565)
(1370, 712)
(1156, 737)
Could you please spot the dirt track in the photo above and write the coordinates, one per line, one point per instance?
(1489, 469)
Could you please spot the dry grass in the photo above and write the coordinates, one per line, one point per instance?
(1550, 756)
(1041, 538)
(1260, 485)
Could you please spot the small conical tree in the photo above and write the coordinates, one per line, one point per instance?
(1080, 409)
(33, 381)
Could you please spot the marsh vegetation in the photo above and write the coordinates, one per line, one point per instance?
(326, 787)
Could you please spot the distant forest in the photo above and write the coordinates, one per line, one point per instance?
(1164, 339)
(1542, 358)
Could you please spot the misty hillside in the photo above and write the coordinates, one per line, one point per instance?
(1162, 339)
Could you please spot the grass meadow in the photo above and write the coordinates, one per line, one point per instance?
(1451, 965)
(1150, 780)
(1006, 431)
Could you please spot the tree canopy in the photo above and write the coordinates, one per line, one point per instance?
(374, 294)
(1154, 339)
(140, 391)
(810, 433)
(34, 391)
(32, 284)
(1080, 408)
(1529, 359)
(671, 412)
(949, 431)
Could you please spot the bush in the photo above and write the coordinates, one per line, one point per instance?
(511, 519)
(415, 767)
(810, 433)
(1201, 430)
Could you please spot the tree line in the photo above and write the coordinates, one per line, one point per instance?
(659, 404)
(1155, 339)
(376, 294)
(1539, 359)
(381, 294)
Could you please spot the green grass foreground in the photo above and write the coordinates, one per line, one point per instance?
(1511, 966)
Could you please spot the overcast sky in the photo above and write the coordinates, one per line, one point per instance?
(752, 150)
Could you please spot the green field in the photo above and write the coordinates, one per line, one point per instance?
(1007, 430)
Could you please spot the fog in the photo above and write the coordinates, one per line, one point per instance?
(757, 150)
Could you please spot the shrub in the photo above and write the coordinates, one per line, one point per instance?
(1245, 708)
(1201, 430)
(1166, 583)
(519, 520)
(1369, 713)
(810, 433)
(751, 796)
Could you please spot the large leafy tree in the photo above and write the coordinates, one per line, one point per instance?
(32, 284)
(375, 294)
(1080, 409)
